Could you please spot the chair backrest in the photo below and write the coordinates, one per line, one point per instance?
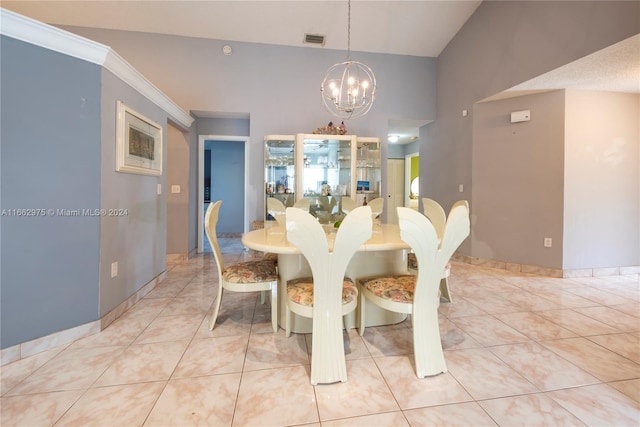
(464, 203)
(302, 204)
(276, 209)
(435, 212)
(377, 206)
(328, 266)
(210, 223)
(348, 204)
(433, 255)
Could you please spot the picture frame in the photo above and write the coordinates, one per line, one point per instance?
(139, 142)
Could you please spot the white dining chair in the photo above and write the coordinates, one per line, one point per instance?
(250, 276)
(377, 206)
(328, 295)
(348, 204)
(303, 204)
(276, 209)
(417, 295)
(435, 213)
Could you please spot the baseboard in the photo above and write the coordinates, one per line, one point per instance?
(68, 336)
(545, 271)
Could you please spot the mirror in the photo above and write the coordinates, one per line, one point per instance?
(415, 188)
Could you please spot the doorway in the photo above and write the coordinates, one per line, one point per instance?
(227, 158)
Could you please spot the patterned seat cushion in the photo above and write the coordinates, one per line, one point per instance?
(394, 288)
(263, 270)
(300, 291)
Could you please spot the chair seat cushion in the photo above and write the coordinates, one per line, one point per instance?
(263, 270)
(394, 288)
(300, 291)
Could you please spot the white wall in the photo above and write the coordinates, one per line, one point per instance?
(602, 180)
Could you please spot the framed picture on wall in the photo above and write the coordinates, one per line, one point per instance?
(139, 143)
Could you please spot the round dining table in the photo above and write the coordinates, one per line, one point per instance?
(383, 253)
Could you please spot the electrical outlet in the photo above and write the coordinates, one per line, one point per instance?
(175, 189)
(114, 269)
(460, 188)
(547, 242)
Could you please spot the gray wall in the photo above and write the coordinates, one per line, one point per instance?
(178, 213)
(136, 241)
(276, 86)
(517, 203)
(501, 45)
(58, 154)
(51, 146)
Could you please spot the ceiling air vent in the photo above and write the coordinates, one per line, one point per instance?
(314, 38)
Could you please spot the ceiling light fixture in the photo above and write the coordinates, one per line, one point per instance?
(393, 138)
(349, 87)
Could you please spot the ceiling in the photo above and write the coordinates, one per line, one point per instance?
(376, 26)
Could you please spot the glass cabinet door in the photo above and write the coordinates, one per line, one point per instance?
(368, 179)
(326, 162)
(279, 169)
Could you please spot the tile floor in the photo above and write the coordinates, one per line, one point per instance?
(521, 350)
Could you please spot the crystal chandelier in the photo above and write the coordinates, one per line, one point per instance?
(349, 87)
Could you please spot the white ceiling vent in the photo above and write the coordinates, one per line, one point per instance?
(314, 39)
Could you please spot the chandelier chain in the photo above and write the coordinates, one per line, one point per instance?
(348, 88)
(349, 31)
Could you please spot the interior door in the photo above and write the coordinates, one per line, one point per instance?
(395, 188)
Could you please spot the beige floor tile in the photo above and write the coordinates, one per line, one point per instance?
(211, 356)
(201, 401)
(632, 309)
(35, 410)
(621, 321)
(595, 359)
(626, 345)
(413, 392)
(552, 352)
(69, 370)
(144, 363)
(364, 392)
(171, 328)
(599, 405)
(534, 326)
(542, 367)
(488, 330)
(461, 307)
(395, 419)
(454, 338)
(389, 340)
(577, 323)
(629, 387)
(275, 350)
(456, 415)
(484, 376)
(12, 373)
(123, 405)
(529, 410)
(276, 397)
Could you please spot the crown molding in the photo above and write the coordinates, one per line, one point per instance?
(34, 32)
